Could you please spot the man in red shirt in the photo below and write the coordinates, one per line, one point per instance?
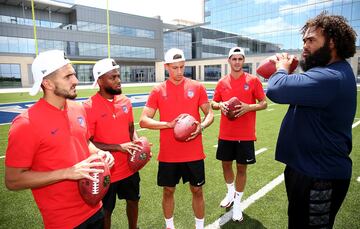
(236, 137)
(111, 126)
(54, 151)
(177, 159)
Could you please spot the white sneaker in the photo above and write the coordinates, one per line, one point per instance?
(237, 213)
(227, 201)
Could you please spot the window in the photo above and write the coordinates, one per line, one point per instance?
(10, 75)
(212, 72)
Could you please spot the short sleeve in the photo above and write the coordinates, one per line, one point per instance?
(203, 95)
(217, 93)
(90, 119)
(259, 91)
(152, 101)
(22, 144)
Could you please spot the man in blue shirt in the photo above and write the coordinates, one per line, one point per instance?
(315, 137)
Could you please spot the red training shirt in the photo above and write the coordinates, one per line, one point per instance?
(109, 124)
(173, 100)
(44, 138)
(247, 88)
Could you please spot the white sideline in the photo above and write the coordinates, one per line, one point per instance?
(355, 124)
(246, 203)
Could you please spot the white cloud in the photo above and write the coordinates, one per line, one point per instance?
(304, 6)
(268, 1)
(268, 26)
(168, 10)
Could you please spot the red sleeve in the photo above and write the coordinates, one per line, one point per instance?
(90, 119)
(203, 95)
(259, 91)
(217, 93)
(131, 114)
(22, 144)
(153, 99)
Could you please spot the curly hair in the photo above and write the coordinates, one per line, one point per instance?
(336, 28)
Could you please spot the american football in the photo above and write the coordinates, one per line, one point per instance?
(139, 158)
(93, 192)
(184, 126)
(234, 101)
(267, 67)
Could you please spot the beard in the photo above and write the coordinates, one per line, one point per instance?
(112, 91)
(320, 57)
(64, 93)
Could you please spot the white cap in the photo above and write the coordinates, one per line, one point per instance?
(174, 55)
(44, 64)
(236, 51)
(103, 66)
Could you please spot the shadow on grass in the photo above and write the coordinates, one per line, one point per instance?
(247, 222)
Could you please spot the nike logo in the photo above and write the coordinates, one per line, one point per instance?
(249, 160)
(200, 183)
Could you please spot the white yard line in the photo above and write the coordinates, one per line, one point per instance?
(246, 203)
(262, 192)
(355, 124)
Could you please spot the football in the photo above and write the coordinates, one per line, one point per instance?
(139, 158)
(184, 126)
(234, 101)
(267, 67)
(93, 192)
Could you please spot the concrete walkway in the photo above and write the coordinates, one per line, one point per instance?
(79, 87)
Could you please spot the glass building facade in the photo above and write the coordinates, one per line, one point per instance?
(136, 42)
(275, 21)
(261, 27)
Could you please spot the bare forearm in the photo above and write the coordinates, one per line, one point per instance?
(108, 147)
(208, 119)
(33, 179)
(153, 124)
(215, 105)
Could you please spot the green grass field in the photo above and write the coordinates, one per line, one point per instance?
(18, 209)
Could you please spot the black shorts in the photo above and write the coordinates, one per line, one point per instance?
(313, 202)
(169, 174)
(128, 189)
(96, 221)
(241, 151)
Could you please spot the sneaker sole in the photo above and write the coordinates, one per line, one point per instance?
(228, 205)
(238, 220)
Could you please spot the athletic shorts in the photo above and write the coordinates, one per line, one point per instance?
(169, 174)
(313, 202)
(128, 189)
(96, 221)
(241, 151)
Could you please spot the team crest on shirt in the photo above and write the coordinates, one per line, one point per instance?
(246, 87)
(81, 121)
(125, 109)
(190, 94)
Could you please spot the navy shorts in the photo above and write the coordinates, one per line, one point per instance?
(313, 202)
(128, 189)
(169, 174)
(241, 151)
